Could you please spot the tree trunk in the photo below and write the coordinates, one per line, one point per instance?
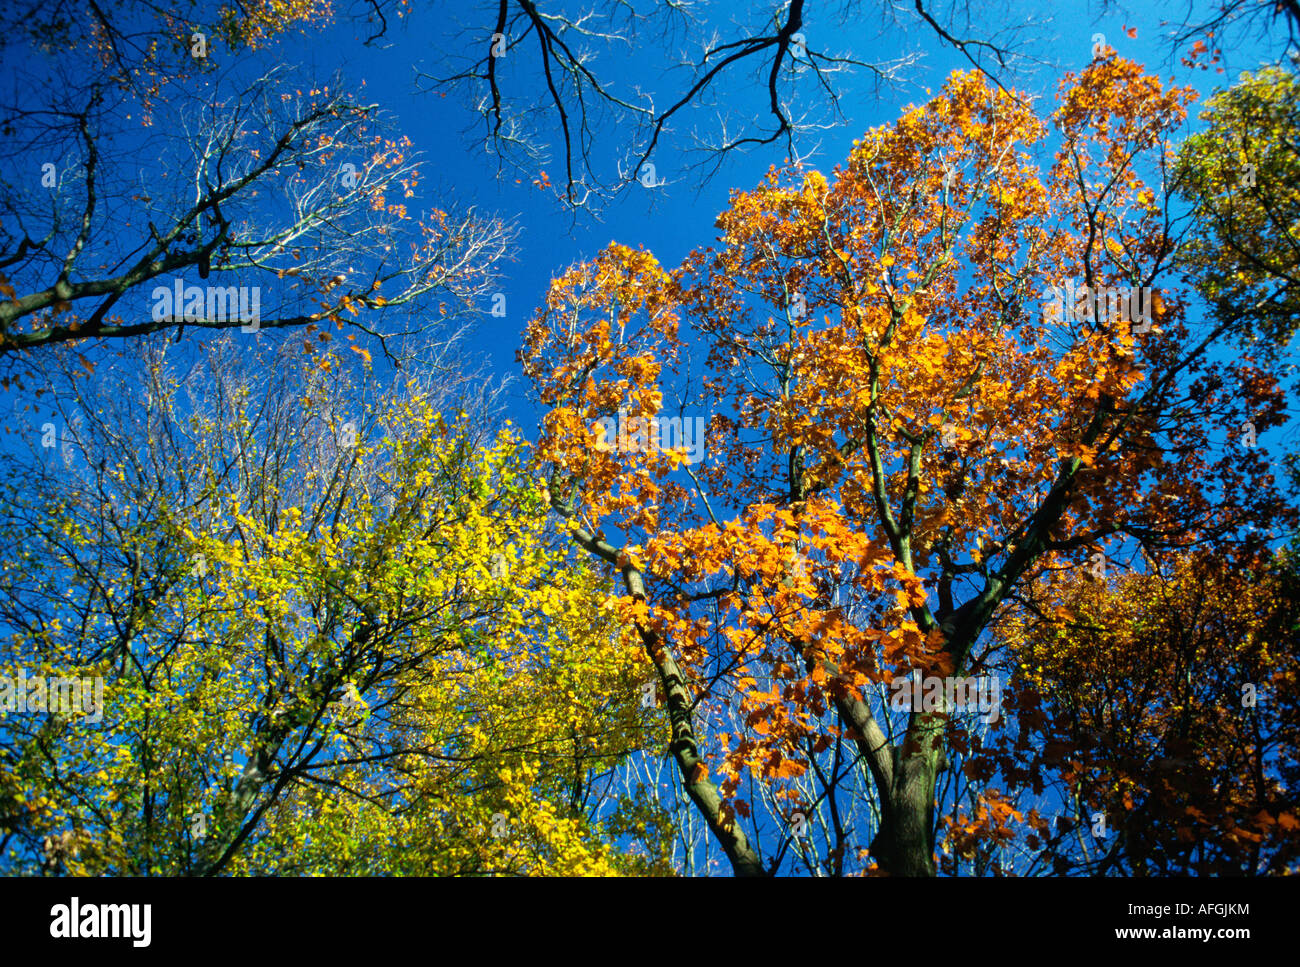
(904, 843)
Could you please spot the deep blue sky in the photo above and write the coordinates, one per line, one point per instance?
(670, 221)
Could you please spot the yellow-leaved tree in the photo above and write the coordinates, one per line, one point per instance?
(332, 632)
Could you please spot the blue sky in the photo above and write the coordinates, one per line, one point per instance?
(672, 220)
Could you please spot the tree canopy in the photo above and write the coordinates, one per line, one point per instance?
(924, 505)
(905, 437)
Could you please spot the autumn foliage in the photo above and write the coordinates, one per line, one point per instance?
(1165, 704)
(350, 621)
(904, 438)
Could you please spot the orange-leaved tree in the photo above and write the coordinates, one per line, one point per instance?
(904, 427)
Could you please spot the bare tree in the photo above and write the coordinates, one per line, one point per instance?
(300, 196)
(136, 162)
(1226, 23)
(774, 77)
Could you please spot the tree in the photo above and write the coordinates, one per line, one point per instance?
(770, 77)
(131, 43)
(1163, 706)
(546, 83)
(905, 431)
(242, 198)
(1242, 176)
(1229, 23)
(332, 633)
